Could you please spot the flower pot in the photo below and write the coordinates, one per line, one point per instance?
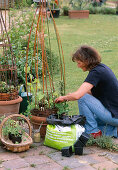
(14, 138)
(78, 150)
(37, 121)
(67, 151)
(77, 14)
(55, 13)
(84, 138)
(39, 116)
(78, 143)
(10, 107)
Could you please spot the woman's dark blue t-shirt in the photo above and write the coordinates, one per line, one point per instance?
(105, 87)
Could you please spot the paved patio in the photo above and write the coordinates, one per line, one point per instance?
(40, 157)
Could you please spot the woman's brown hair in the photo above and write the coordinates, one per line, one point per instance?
(87, 55)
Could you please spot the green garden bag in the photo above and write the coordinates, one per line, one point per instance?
(62, 136)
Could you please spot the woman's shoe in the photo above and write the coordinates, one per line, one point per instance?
(96, 134)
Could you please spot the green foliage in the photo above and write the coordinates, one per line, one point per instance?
(62, 108)
(19, 35)
(104, 142)
(13, 127)
(79, 4)
(33, 165)
(66, 168)
(65, 10)
(101, 10)
(4, 88)
(23, 3)
(53, 4)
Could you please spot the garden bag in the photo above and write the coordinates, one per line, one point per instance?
(66, 120)
(62, 136)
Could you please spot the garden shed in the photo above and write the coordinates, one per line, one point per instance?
(5, 4)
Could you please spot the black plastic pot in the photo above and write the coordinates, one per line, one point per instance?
(55, 13)
(84, 138)
(67, 151)
(78, 150)
(78, 143)
(14, 138)
(116, 12)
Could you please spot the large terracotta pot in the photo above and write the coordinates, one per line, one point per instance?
(39, 117)
(77, 14)
(10, 107)
(37, 122)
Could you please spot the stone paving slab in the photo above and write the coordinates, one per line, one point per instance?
(47, 166)
(107, 165)
(15, 164)
(40, 157)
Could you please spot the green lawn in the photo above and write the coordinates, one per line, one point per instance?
(99, 31)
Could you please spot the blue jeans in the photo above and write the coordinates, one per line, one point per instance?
(97, 116)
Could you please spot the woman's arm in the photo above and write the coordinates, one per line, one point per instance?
(84, 88)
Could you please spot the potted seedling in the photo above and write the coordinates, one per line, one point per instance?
(13, 131)
(5, 91)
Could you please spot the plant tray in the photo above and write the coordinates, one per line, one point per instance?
(26, 138)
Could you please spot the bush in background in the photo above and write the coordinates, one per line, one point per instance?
(65, 10)
(23, 3)
(101, 10)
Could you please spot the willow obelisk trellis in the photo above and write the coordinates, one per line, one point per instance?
(41, 24)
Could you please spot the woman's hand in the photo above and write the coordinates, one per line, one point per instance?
(59, 99)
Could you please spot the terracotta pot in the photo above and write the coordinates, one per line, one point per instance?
(43, 113)
(37, 121)
(77, 14)
(39, 116)
(10, 107)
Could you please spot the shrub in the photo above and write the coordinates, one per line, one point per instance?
(23, 3)
(105, 10)
(101, 10)
(94, 10)
(65, 10)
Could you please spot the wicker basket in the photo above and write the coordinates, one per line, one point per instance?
(26, 139)
(9, 96)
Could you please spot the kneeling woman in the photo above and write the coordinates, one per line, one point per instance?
(97, 96)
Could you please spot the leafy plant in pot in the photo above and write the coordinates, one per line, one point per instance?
(13, 131)
(78, 9)
(6, 91)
